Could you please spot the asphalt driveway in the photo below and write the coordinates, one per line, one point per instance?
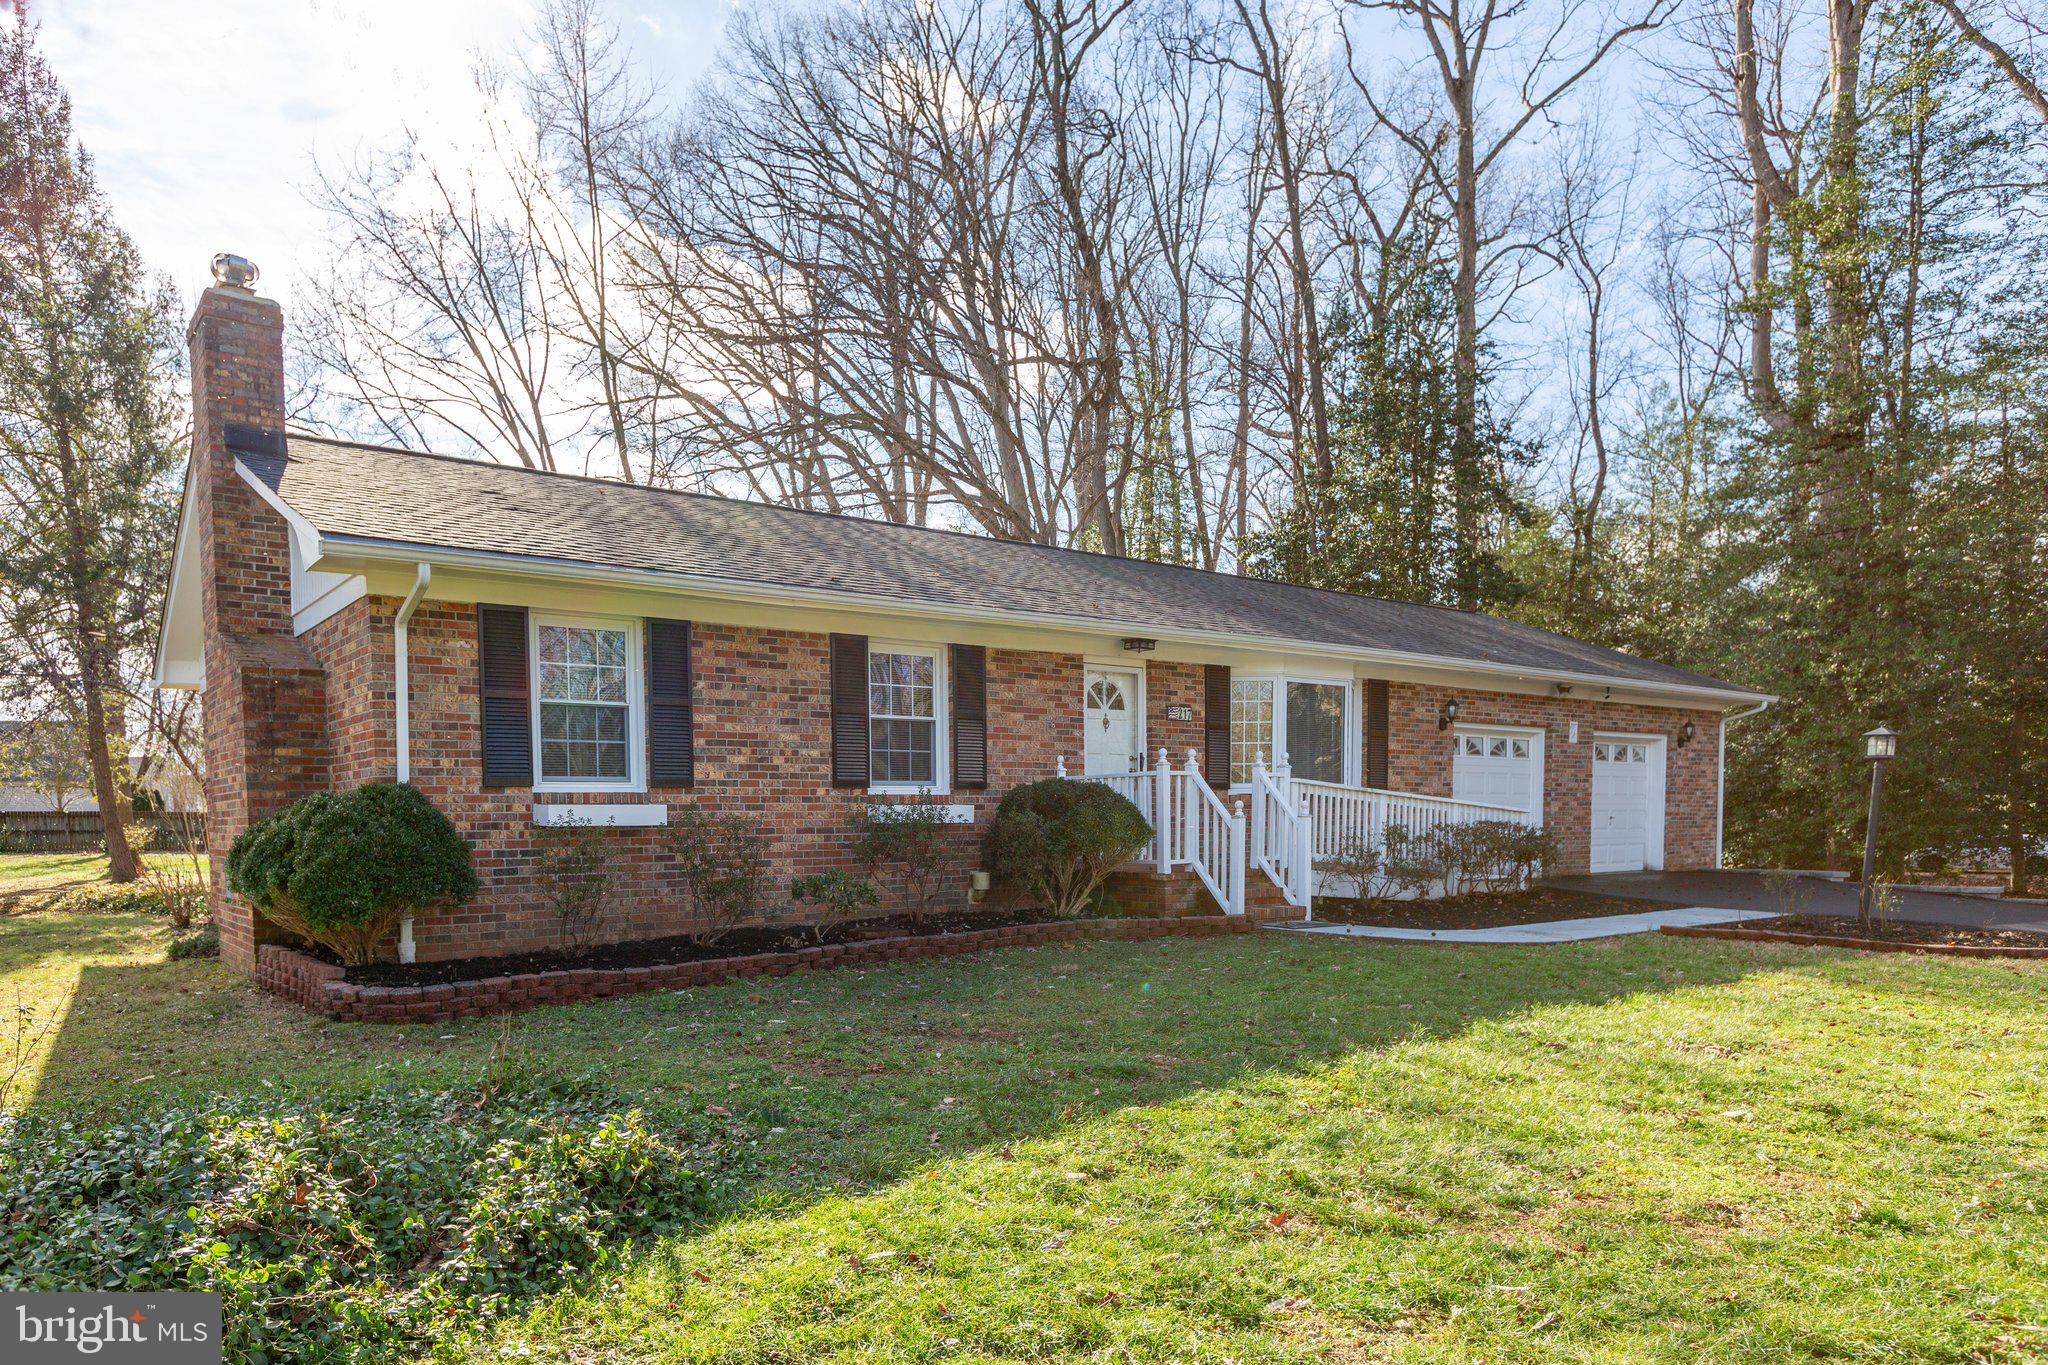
(1749, 891)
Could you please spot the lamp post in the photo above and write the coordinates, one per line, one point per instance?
(1878, 746)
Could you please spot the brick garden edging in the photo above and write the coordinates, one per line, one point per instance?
(318, 985)
(1868, 945)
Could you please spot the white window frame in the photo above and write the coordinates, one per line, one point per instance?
(942, 732)
(1123, 666)
(636, 703)
(1533, 733)
(1657, 761)
(1354, 763)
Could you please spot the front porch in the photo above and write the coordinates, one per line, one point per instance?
(1292, 827)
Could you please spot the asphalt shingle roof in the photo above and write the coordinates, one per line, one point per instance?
(378, 493)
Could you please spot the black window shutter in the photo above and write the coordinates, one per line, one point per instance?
(507, 694)
(1376, 732)
(849, 710)
(1216, 724)
(970, 717)
(671, 721)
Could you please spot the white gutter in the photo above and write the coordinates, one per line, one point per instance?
(1721, 770)
(673, 581)
(401, 671)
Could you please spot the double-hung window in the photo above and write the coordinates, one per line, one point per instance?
(586, 703)
(906, 714)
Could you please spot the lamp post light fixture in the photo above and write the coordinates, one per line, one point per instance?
(1879, 746)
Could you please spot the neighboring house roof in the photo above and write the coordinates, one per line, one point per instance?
(347, 491)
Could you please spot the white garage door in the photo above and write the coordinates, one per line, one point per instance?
(1495, 770)
(1621, 806)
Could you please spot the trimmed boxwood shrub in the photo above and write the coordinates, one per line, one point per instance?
(341, 868)
(1061, 839)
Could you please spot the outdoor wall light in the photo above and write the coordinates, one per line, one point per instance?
(1138, 644)
(1685, 734)
(1448, 714)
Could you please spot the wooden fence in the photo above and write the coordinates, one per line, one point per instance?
(39, 831)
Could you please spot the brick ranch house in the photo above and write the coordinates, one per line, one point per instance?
(527, 647)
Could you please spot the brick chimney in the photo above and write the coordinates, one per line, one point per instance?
(265, 700)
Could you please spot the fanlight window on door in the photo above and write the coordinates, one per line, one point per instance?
(1482, 746)
(1105, 695)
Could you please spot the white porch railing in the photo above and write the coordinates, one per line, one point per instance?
(1191, 826)
(1282, 839)
(1341, 816)
(1294, 824)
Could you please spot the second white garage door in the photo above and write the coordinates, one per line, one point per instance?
(1627, 776)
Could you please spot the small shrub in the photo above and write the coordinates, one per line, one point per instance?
(910, 836)
(1495, 857)
(835, 897)
(1062, 839)
(1360, 860)
(203, 943)
(1415, 864)
(573, 870)
(723, 859)
(341, 868)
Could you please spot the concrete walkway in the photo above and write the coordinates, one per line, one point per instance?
(1815, 896)
(1552, 931)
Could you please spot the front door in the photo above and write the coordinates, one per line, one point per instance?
(1109, 721)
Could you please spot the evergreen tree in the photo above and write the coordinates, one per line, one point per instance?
(90, 432)
(1386, 519)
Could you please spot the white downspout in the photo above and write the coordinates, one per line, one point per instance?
(1720, 771)
(402, 697)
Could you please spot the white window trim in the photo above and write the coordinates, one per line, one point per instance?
(1660, 784)
(636, 703)
(1145, 755)
(941, 784)
(1535, 735)
(1354, 738)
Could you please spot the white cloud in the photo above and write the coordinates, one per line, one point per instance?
(206, 118)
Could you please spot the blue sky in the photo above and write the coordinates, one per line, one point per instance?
(205, 116)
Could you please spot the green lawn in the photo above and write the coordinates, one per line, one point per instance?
(43, 872)
(1264, 1148)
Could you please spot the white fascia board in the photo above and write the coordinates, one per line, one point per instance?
(739, 590)
(182, 609)
(304, 536)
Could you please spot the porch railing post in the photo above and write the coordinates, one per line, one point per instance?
(1162, 814)
(1304, 862)
(1236, 870)
(1259, 785)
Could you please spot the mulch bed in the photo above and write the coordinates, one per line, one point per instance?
(1900, 931)
(1538, 905)
(663, 952)
(1899, 936)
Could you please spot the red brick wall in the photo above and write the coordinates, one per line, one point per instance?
(763, 746)
(1419, 760)
(1172, 684)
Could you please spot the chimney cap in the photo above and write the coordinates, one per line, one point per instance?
(236, 272)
